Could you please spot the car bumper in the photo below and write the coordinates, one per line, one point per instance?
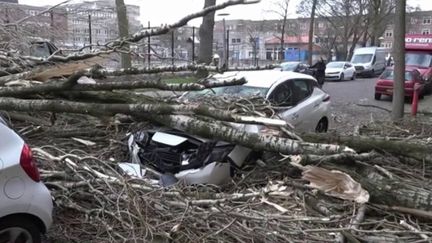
(388, 90)
(41, 204)
(364, 72)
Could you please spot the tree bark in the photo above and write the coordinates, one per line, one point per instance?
(383, 190)
(366, 144)
(399, 58)
(123, 28)
(206, 35)
(255, 141)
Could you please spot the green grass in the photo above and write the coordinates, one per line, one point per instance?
(180, 80)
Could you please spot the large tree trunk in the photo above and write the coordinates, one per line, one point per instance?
(206, 35)
(365, 144)
(123, 28)
(399, 58)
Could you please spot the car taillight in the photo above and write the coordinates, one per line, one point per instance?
(326, 98)
(28, 164)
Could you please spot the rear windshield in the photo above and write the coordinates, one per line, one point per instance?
(236, 90)
(389, 75)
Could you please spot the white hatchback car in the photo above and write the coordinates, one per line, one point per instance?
(302, 103)
(25, 202)
(340, 71)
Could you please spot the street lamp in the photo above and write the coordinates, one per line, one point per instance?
(226, 39)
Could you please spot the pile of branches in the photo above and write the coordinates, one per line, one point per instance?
(266, 201)
(321, 188)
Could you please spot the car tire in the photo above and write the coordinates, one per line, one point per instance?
(27, 230)
(322, 126)
(377, 96)
(342, 77)
(353, 76)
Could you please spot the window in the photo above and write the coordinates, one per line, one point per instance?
(303, 26)
(413, 20)
(425, 32)
(98, 31)
(301, 90)
(320, 25)
(426, 21)
(282, 95)
(236, 40)
(77, 39)
(389, 33)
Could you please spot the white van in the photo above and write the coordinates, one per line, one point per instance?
(369, 60)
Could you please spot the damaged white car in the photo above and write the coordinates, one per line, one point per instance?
(178, 156)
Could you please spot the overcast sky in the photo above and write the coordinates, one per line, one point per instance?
(169, 11)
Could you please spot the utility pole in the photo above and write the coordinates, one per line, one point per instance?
(148, 46)
(227, 49)
(399, 58)
(311, 32)
(172, 47)
(193, 44)
(51, 26)
(90, 30)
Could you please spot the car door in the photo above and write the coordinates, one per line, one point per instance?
(296, 94)
(349, 70)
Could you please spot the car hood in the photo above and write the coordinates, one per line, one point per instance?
(333, 70)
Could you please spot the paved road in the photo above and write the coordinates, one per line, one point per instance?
(353, 103)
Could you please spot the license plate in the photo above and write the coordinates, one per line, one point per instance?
(389, 91)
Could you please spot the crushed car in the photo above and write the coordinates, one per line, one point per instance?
(180, 157)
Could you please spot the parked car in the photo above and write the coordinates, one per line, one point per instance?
(297, 67)
(179, 156)
(369, 61)
(340, 71)
(304, 105)
(25, 203)
(384, 85)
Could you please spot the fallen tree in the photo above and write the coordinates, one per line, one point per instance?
(269, 200)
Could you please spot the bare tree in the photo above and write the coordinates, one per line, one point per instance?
(281, 9)
(311, 31)
(123, 27)
(206, 35)
(399, 58)
(379, 12)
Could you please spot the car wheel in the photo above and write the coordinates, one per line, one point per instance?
(342, 77)
(353, 76)
(19, 229)
(322, 126)
(377, 96)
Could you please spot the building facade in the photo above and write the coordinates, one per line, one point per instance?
(95, 22)
(40, 23)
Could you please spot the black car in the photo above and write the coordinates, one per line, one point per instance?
(297, 67)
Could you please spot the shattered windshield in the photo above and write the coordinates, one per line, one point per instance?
(418, 59)
(236, 90)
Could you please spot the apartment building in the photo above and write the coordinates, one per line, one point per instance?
(416, 23)
(43, 24)
(95, 22)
